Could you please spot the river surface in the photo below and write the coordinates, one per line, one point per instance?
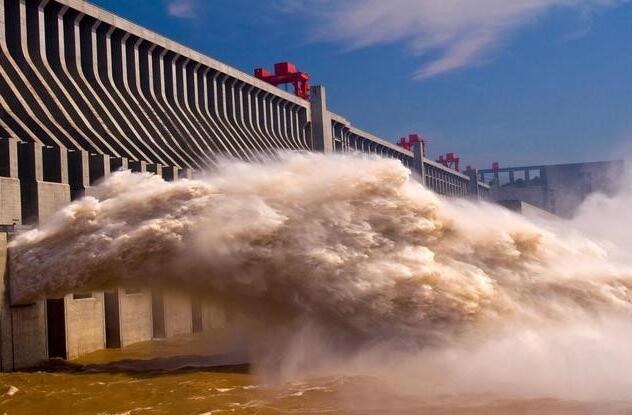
(158, 378)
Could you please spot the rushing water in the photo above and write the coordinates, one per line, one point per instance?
(365, 292)
(144, 380)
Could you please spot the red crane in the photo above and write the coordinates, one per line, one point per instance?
(411, 140)
(450, 160)
(286, 73)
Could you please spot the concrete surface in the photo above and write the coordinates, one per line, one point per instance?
(85, 324)
(135, 316)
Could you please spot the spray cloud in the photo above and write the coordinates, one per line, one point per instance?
(338, 241)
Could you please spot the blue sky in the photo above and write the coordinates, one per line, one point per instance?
(514, 81)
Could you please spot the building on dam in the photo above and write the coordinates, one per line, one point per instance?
(83, 93)
(558, 189)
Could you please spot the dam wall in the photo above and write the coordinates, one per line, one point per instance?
(84, 93)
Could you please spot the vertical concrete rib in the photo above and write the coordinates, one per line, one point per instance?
(264, 119)
(161, 120)
(16, 33)
(151, 75)
(92, 56)
(275, 114)
(250, 109)
(176, 156)
(49, 41)
(184, 90)
(200, 89)
(179, 94)
(286, 123)
(225, 101)
(274, 120)
(80, 53)
(32, 45)
(116, 69)
(235, 109)
(102, 67)
(161, 71)
(193, 96)
(257, 110)
(65, 37)
(27, 103)
(170, 90)
(209, 97)
(218, 104)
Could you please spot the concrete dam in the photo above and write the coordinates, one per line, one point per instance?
(84, 93)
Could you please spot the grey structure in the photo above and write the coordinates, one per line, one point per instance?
(83, 93)
(559, 189)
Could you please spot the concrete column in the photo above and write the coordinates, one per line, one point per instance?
(85, 324)
(30, 165)
(177, 314)
(169, 173)
(6, 341)
(472, 186)
(9, 157)
(99, 167)
(418, 162)
(138, 166)
(40, 198)
(322, 139)
(119, 163)
(155, 169)
(55, 164)
(10, 199)
(135, 317)
(22, 328)
(185, 173)
(78, 172)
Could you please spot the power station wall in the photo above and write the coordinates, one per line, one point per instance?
(76, 77)
(178, 317)
(213, 314)
(559, 189)
(85, 324)
(10, 201)
(135, 317)
(72, 80)
(22, 329)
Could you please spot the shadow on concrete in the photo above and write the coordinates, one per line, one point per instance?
(158, 366)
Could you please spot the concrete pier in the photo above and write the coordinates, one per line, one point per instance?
(135, 316)
(78, 172)
(85, 325)
(44, 187)
(321, 121)
(10, 199)
(22, 328)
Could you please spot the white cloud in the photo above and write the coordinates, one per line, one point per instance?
(181, 8)
(456, 33)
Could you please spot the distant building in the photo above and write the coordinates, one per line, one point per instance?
(559, 189)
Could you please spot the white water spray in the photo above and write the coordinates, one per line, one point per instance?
(340, 242)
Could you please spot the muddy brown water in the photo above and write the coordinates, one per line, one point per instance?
(158, 378)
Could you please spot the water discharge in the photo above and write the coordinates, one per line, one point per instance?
(359, 269)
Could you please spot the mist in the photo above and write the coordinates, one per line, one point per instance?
(357, 268)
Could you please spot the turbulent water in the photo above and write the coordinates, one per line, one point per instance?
(357, 268)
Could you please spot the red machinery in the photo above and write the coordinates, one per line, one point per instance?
(411, 140)
(286, 73)
(450, 160)
(495, 166)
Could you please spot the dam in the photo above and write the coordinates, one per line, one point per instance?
(84, 93)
